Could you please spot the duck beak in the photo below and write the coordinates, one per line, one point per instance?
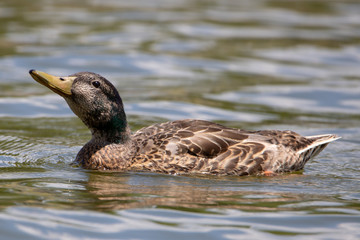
(60, 85)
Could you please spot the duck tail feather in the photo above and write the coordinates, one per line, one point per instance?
(318, 144)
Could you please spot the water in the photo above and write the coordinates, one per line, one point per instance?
(246, 64)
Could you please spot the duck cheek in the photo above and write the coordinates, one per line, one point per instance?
(74, 107)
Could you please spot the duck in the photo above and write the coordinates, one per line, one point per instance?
(189, 146)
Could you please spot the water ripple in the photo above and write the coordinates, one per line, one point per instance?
(54, 106)
(262, 64)
(34, 223)
(18, 151)
(314, 99)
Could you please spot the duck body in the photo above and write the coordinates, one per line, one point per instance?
(200, 147)
(179, 147)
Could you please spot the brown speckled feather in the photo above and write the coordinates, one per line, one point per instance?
(196, 146)
(178, 147)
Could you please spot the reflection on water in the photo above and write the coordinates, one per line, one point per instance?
(159, 205)
(247, 64)
(197, 194)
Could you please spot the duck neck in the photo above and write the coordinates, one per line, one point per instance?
(111, 146)
(114, 131)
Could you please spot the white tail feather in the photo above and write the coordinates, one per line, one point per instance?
(320, 142)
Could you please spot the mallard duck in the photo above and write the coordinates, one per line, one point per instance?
(178, 147)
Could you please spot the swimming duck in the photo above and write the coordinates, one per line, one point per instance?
(178, 147)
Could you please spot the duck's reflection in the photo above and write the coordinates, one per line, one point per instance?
(137, 190)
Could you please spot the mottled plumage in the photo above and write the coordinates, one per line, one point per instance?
(178, 147)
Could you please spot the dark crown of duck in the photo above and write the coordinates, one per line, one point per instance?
(183, 146)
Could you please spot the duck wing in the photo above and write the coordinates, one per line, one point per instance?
(205, 147)
(195, 137)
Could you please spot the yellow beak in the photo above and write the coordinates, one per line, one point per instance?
(60, 85)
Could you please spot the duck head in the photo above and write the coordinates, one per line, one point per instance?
(93, 99)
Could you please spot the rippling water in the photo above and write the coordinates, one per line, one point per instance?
(267, 64)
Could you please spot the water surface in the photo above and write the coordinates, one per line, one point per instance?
(248, 64)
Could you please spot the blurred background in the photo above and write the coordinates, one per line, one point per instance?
(263, 64)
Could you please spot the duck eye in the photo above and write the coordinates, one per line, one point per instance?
(96, 84)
